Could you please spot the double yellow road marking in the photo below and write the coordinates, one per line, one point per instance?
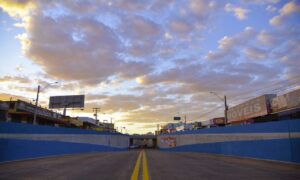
(135, 174)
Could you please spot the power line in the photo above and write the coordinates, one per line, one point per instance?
(267, 89)
(252, 91)
(208, 112)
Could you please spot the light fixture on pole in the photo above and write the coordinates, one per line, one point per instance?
(95, 110)
(225, 104)
(37, 100)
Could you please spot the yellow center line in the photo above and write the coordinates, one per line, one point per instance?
(145, 167)
(135, 173)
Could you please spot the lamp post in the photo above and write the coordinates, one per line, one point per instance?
(37, 101)
(225, 104)
(96, 113)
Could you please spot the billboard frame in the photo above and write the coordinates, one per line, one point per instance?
(68, 101)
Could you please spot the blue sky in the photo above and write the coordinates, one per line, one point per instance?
(144, 61)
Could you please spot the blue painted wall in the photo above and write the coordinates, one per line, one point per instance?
(18, 149)
(285, 149)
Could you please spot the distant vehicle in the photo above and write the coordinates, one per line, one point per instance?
(134, 147)
(214, 122)
(197, 125)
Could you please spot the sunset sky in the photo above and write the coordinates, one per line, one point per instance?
(144, 61)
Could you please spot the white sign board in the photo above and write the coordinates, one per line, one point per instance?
(73, 101)
(250, 109)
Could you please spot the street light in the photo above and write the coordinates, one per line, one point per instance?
(225, 104)
(37, 100)
(109, 116)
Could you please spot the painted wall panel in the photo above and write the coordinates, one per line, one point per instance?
(16, 149)
(22, 141)
(278, 140)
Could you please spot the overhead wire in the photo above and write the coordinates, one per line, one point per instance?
(274, 85)
(269, 89)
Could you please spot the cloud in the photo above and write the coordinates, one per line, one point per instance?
(139, 27)
(61, 56)
(266, 38)
(15, 79)
(227, 45)
(134, 5)
(262, 1)
(180, 26)
(288, 9)
(85, 49)
(276, 20)
(18, 9)
(188, 19)
(7, 97)
(255, 53)
(271, 8)
(210, 77)
(240, 13)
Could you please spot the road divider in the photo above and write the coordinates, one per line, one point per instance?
(135, 174)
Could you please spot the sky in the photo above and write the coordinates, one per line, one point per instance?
(144, 61)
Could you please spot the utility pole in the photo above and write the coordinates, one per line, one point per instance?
(225, 104)
(37, 101)
(96, 112)
(226, 109)
(36, 104)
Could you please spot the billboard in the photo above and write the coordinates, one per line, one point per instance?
(177, 118)
(286, 101)
(256, 107)
(72, 101)
(168, 141)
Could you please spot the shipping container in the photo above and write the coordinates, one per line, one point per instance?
(286, 101)
(219, 121)
(259, 106)
(206, 123)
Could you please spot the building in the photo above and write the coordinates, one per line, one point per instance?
(90, 123)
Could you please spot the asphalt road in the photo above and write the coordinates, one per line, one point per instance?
(116, 165)
(158, 165)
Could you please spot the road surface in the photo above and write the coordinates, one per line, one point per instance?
(150, 164)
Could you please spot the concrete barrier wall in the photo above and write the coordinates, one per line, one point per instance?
(271, 140)
(25, 141)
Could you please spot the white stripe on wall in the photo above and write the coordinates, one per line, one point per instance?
(107, 140)
(189, 139)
